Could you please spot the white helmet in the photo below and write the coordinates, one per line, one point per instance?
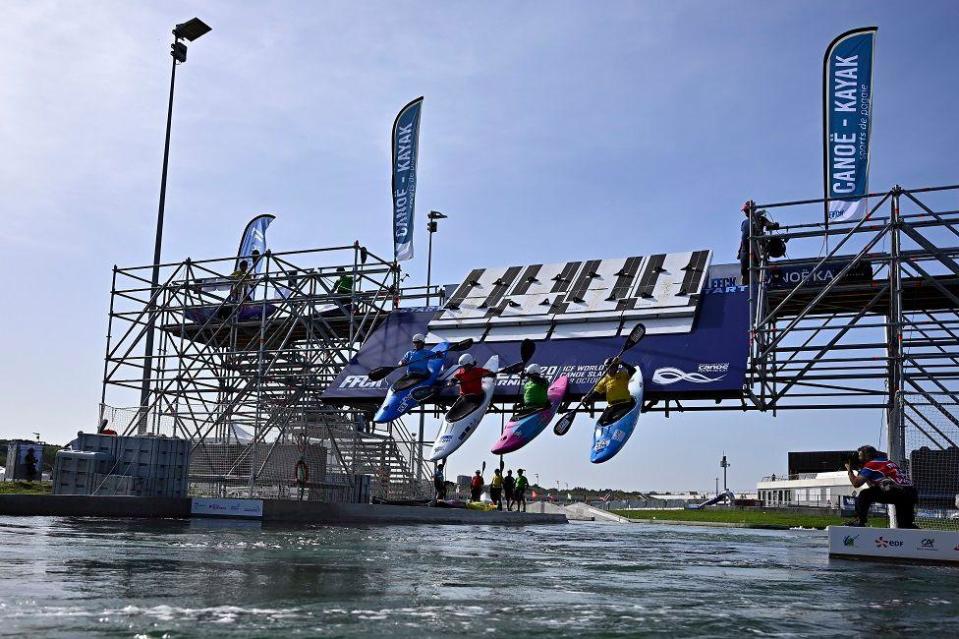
(467, 360)
(534, 369)
(419, 337)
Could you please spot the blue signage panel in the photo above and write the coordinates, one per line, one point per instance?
(708, 362)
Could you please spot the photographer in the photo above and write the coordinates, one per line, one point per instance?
(760, 224)
(886, 484)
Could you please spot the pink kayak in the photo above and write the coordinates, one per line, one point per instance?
(523, 427)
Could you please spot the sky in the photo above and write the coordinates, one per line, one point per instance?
(551, 131)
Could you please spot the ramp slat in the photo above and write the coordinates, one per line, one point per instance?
(464, 289)
(499, 289)
(694, 273)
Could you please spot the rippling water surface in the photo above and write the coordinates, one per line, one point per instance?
(125, 578)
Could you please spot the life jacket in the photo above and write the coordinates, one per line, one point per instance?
(471, 380)
(615, 386)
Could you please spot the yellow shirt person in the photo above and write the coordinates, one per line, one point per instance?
(615, 385)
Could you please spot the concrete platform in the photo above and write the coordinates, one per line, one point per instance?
(268, 510)
(896, 544)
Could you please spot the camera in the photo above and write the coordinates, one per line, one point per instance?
(762, 221)
(852, 458)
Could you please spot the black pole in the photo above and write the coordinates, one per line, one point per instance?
(155, 279)
(725, 465)
(429, 267)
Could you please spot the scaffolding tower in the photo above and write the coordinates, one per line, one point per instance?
(241, 362)
(884, 324)
(871, 322)
(858, 314)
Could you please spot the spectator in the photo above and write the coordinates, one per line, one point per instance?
(344, 282)
(509, 484)
(476, 487)
(32, 464)
(439, 481)
(241, 284)
(496, 488)
(520, 491)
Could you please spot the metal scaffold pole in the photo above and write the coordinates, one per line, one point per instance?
(894, 411)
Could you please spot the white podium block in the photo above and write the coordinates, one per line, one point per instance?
(894, 543)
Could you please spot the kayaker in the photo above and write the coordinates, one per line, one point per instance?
(520, 492)
(509, 487)
(476, 487)
(470, 378)
(417, 359)
(439, 480)
(535, 387)
(496, 488)
(614, 385)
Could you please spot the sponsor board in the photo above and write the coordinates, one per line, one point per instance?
(709, 362)
(894, 543)
(207, 507)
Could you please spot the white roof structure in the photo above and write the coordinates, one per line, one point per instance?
(578, 299)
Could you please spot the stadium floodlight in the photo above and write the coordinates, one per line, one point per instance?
(191, 29)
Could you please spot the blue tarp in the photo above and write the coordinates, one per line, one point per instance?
(709, 362)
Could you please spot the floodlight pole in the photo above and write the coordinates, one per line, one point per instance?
(177, 54)
(724, 465)
(432, 226)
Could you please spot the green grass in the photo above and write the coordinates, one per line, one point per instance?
(25, 487)
(752, 518)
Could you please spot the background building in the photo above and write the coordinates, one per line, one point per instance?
(814, 479)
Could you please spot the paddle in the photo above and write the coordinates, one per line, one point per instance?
(526, 350)
(379, 373)
(563, 425)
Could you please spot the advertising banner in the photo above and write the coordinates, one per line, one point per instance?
(847, 122)
(406, 135)
(894, 543)
(708, 362)
(213, 507)
(253, 242)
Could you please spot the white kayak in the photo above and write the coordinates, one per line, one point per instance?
(463, 417)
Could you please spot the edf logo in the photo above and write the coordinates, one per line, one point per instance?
(882, 542)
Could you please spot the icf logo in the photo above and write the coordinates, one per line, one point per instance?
(849, 540)
(882, 542)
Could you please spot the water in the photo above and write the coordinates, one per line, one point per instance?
(65, 577)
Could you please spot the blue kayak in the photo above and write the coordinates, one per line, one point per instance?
(399, 400)
(617, 423)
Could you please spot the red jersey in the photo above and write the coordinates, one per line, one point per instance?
(471, 380)
(881, 468)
